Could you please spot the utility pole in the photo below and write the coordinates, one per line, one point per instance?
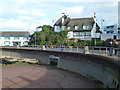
(95, 26)
(102, 25)
(35, 40)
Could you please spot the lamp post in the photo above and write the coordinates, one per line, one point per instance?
(35, 40)
(111, 50)
(102, 24)
(95, 38)
(95, 19)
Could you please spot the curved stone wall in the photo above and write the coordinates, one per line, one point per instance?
(101, 68)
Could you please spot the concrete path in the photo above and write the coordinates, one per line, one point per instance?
(30, 76)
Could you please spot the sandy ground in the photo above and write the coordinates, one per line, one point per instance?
(29, 76)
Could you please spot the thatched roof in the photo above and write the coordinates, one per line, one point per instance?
(77, 22)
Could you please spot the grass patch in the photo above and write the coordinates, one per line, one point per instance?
(6, 61)
(18, 63)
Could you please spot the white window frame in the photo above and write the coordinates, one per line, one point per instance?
(76, 27)
(69, 27)
(86, 27)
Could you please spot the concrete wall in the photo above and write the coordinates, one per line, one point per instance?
(100, 68)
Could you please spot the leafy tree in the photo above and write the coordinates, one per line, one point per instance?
(110, 43)
(47, 36)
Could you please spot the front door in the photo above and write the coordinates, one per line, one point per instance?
(16, 44)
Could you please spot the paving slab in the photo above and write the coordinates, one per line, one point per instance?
(34, 76)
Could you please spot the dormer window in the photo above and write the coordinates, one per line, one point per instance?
(16, 38)
(118, 28)
(76, 27)
(69, 28)
(7, 38)
(86, 27)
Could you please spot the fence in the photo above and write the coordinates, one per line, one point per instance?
(104, 51)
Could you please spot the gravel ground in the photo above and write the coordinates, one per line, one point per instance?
(34, 76)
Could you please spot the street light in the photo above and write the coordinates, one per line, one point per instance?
(35, 39)
(111, 49)
(111, 43)
(102, 20)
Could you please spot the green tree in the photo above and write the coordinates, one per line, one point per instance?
(47, 36)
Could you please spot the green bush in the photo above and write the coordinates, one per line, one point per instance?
(100, 43)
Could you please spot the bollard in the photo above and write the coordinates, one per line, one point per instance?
(110, 52)
(70, 48)
(106, 52)
(43, 47)
(62, 49)
(86, 50)
(77, 48)
(18, 46)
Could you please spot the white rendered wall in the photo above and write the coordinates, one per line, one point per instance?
(21, 39)
(93, 32)
(70, 34)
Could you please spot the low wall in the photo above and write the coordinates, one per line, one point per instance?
(101, 68)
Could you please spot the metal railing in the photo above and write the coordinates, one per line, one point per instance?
(103, 51)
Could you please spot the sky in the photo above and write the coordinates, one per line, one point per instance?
(26, 15)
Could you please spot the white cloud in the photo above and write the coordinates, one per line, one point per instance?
(1, 10)
(13, 24)
(74, 11)
(20, 11)
(28, 14)
(22, 2)
(25, 18)
(74, 0)
(37, 12)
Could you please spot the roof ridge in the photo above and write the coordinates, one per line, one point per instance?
(82, 18)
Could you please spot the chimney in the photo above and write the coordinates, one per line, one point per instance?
(63, 18)
(95, 17)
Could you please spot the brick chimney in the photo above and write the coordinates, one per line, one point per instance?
(95, 19)
(63, 19)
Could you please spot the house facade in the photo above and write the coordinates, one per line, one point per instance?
(79, 28)
(14, 38)
(111, 32)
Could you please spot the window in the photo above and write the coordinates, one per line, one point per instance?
(63, 27)
(7, 43)
(88, 33)
(7, 38)
(115, 37)
(112, 31)
(108, 32)
(25, 43)
(69, 34)
(86, 27)
(25, 38)
(118, 28)
(76, 27)
(16, 38)
(69, 28)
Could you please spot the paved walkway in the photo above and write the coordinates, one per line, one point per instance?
(42, 77)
